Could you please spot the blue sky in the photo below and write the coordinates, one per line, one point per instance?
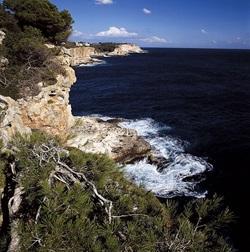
(161, 23)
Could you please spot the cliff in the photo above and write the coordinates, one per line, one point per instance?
(86, 54)
(50, 112)
(3, 60)
(126, 49)
(79, 55)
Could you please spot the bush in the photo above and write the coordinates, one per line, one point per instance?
(105, 47)
(43, 15)
(75, 201)
(28, 25)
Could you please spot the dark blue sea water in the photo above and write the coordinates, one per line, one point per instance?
(193, 106)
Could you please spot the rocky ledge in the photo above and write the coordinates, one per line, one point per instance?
(97, 136)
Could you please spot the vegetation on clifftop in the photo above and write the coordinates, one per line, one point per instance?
(28, 25)
(58, 198)
(105, 47)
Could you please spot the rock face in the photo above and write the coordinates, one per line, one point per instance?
(2, 36)
(79, 55)
(125, 49)
(3, 61)
(84, 54)
(97, 136)
(11, 119)
(50, 112)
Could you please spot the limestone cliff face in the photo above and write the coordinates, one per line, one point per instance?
(50, 111)
(125, 49)
(2, 36)
(3, 60)
(85, 54)
(78, 55)
(11, 119)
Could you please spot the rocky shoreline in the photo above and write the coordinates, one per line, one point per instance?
(50, 112)
(94, 135)
(82, 55)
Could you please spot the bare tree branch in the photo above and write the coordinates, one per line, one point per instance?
(39, 210)
(3, 81)
(14, 204)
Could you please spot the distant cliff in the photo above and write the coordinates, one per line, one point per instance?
(86, 54)
(126, 49)
(78, 55)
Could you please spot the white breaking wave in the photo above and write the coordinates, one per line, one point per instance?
(179, 173)
(93, 64)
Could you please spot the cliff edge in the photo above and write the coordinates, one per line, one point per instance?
(80, 54)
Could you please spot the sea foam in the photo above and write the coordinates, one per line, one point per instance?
(92, 64)
(180, 172)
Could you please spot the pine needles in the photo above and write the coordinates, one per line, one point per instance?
(74, 201)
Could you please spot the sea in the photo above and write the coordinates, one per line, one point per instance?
(193, 107)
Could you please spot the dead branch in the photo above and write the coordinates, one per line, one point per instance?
(3, 81)
(67, 175)
(101, 199)
(14, 242)
(39, 210)
(129, 215)
(14, 204)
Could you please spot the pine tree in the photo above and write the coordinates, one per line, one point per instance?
(65, 199)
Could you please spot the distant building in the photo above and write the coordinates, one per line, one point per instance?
(80, 44)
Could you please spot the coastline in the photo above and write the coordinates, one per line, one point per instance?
(51, 112)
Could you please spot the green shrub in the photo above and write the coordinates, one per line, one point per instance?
(105, 47)
(27, 25)
(60, 209)
(43, 15)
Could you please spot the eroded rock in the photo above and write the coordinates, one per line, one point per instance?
(96, 136)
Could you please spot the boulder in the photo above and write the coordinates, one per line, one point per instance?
(94, 135)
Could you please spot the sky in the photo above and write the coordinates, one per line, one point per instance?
(161, 23)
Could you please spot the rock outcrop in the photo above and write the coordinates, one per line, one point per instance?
(50, 110)
(11, 119)
(97, 136)
(82, 54)
(3, 61)
(79, 55)
(126, 49)
(2, 36)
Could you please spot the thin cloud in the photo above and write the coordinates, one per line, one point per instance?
(116, 32)
(103, 1)
(155, 39)
(146, 11)
(204, 31)
(77, 33)
(240, 40)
